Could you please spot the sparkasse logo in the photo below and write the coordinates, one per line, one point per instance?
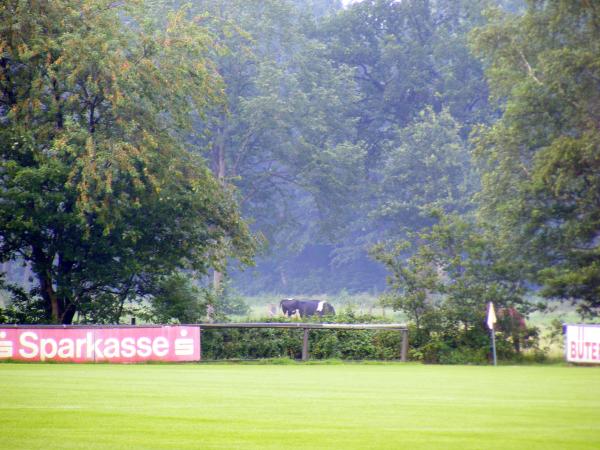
(168, 343)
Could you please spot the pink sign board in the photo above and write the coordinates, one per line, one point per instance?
(118, 345)
(582, 343)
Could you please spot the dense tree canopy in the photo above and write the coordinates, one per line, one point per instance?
(98, 195)
(286, 141)
(541, 160)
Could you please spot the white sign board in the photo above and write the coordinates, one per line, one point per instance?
(582, 343)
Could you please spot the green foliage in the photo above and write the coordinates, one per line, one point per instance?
(176, 299)
(225, 302)
(21, 308)
(408, 56)
(251, 343)
(98, 194)
(418, 94)
(284, 140)
(426, 168)
(540, 161)
(255, 343)
(444, 285)
(131, 131)
(366, 109)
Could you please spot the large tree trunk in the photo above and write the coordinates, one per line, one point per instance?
(68, 314)
(52, 304)
(41, 265)
(219, 169)
(59, 308)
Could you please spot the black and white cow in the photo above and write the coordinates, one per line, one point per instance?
(306, 308)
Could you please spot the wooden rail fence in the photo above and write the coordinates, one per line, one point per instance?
(306, 327)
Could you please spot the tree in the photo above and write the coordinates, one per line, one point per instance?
(541, 160)
(408, 56)
(426, 169)
(176, 299)
(420, 92)
(285, 140)
(444, 278)
(97, 192)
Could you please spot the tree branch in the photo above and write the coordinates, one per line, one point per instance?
(530, 70)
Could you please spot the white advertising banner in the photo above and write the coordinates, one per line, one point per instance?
(582, 343)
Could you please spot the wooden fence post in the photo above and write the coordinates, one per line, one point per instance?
(404, 350)
(305, 345)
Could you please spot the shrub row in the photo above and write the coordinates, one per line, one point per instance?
(464, 346)
(254, 343)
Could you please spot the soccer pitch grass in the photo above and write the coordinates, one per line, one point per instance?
(298, 406)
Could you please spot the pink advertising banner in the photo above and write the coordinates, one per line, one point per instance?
(582, 343)
(94, 344)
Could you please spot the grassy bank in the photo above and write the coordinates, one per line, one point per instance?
(298, 406)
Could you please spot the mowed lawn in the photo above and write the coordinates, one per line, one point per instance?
(345, 406)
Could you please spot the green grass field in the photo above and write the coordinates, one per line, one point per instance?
(345, 406)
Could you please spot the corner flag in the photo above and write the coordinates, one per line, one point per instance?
(491, 320)
(491, 317)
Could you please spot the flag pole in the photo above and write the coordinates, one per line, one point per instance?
(491, 320)
(494, 346)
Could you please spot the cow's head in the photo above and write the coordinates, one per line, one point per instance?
(289, 306)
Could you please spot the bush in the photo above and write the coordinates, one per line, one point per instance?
(253, 343)
(439, 345)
